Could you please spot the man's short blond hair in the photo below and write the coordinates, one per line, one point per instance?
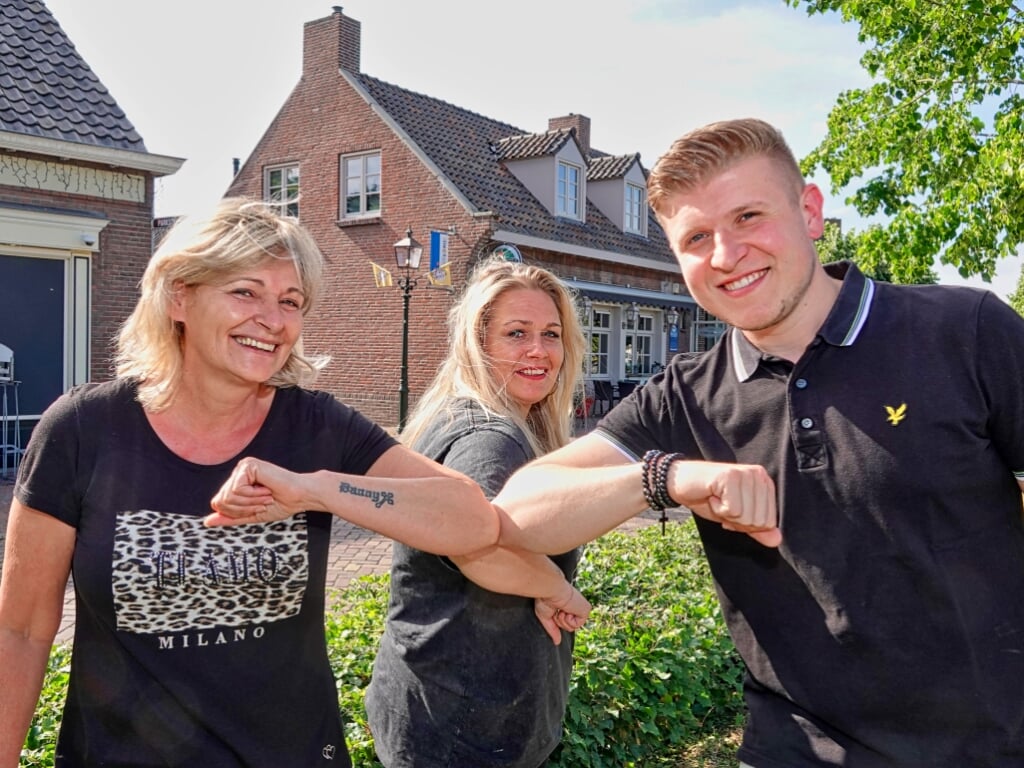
(694, 158)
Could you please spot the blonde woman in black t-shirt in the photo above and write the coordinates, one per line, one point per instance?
(196, 644)
(467, 675)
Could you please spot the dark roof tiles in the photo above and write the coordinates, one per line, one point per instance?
(468, 148)
(609, 167)
(47, 89)
(532, 144)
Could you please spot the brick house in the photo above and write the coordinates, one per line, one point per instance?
(76, 210)
(370, 161)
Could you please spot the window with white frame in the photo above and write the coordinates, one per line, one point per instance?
(281, 187)
(360, 183)
(638, 347)
(600, 342)
(569, 192)
(635, 219)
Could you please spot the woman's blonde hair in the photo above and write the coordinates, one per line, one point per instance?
(239, 235)
(467, 372)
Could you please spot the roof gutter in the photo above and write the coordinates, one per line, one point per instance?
(516, 238)
(625, 294)
(158, 165)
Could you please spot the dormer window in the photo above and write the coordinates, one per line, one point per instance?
(568, 192)
(617, 186)
(635, 218)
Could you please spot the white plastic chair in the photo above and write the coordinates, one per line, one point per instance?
(10, 423)
(6, 363)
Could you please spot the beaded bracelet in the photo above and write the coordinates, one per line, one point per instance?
(648, 470)
(661, 479)
(656, 465)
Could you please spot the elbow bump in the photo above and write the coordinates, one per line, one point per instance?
(490, 522)
(478, 531)
(482, 537)
(491, 528)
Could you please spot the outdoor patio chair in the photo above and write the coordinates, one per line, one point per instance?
(603, 396)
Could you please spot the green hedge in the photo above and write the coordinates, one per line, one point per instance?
(42, 733)
(655, 670)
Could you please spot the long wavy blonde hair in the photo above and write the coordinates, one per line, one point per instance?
(467, 372)
(239, 235)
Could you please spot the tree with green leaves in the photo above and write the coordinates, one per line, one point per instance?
(936, 143)
(836, 245)
(1016, 298)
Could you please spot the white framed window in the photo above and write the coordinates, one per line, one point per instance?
(600, 343)
(360, 184)
(638, 347)
(635, 218)
(568, 194)
(281, 186)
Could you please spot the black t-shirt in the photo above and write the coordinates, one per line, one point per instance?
(465, 676)
(193, 646)
(888, 629)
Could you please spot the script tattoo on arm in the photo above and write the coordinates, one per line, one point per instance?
(379, 498)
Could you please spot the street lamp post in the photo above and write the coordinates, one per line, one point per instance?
(407, 254)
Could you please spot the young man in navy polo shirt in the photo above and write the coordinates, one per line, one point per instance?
(852, 454)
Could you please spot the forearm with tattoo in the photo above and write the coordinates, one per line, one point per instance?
(379, 498)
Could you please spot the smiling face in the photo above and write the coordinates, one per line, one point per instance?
(242, 328)
(744, 243)
(524, 343)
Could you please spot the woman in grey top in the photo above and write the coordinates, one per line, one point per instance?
(467, 677)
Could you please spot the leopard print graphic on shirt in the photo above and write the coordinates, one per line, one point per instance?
(171, 574)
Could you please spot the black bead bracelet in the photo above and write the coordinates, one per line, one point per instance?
(656, 465)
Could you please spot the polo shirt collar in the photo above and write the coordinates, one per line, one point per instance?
(841, 328)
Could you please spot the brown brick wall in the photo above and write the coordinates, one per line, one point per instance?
(357, 324)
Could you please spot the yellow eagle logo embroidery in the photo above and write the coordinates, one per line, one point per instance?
(896, 415)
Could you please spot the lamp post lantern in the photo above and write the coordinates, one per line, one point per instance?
(671, 318)
(407, 253)
(632, 312)
(586, 308)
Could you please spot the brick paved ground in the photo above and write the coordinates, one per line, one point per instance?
(354, 552)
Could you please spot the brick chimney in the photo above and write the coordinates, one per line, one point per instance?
(580, 122)
(331, 42)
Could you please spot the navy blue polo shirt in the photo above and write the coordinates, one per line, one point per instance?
(888, 629)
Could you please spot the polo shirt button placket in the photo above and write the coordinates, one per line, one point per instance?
(810, 445)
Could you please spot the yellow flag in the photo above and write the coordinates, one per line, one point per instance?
(442, 275)
(381, 276)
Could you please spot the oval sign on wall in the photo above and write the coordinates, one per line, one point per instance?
(507, 252)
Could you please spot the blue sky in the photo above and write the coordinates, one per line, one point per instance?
(202, 79)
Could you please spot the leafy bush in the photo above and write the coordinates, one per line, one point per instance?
(42, 733)
(655, 671)
(655, 668)
(354, 625)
